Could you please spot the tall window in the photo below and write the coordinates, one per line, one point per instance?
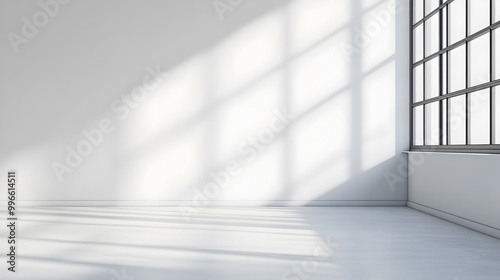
(455, 85)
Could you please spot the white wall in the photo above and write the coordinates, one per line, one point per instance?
(226, 77)
(463, 188)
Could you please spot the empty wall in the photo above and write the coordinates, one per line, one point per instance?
(462, 188)
(290, 102)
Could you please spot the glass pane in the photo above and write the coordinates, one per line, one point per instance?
(496, 53)
(479, 106)
(456, 67)
(444, 85)
(432, 123)
(432, 78)
(496, 11)
(432, 35)
(418, 125)
(418, 10)
(418, 83)
(479, 15)
(444, 110)
(480, 60)
(444, 11)
(496, 113)
(457, 120)
(418, 43)
(456, 17)
(431, 5)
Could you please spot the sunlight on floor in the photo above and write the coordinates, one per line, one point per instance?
(89, 243)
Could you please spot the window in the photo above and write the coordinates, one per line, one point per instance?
(455, 75)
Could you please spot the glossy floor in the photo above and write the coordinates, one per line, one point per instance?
(247, 243)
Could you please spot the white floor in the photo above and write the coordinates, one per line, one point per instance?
(248, 243)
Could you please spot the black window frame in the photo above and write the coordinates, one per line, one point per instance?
(443, 98)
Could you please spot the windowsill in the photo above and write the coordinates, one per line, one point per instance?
(451, 153)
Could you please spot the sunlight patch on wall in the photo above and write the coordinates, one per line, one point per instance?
(245, 116)
(168, 171)
(248, 54)
(170, 109)
(318, 74)
(313, 21)
(261, 176)
(317, 136)
(379, 29)
(378, 116)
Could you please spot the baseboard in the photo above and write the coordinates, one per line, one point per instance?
(494, 232)
(213, 203)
